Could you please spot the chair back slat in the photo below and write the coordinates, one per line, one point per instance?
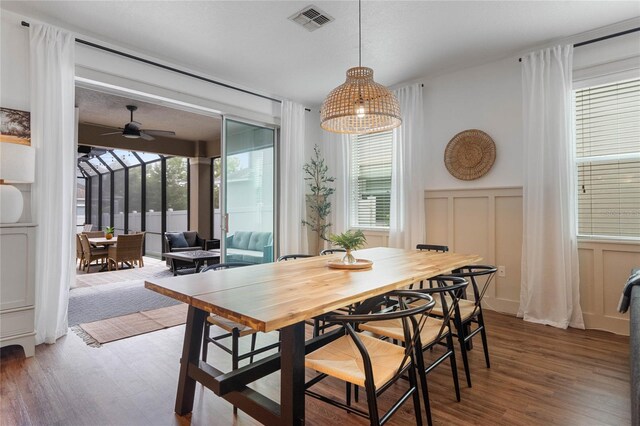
(93, 234)
(79, 249)
(472, 272)
(432, 247)
(326, 252)
(292, 257)
(86, 246)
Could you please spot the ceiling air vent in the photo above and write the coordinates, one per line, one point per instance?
(311, 18)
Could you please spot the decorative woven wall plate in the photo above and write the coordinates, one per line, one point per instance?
(470, 154)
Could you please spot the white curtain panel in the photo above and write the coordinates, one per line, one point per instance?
(407, 217)
(292, 236)
(550, 282)
(336, 149)
(53, 192)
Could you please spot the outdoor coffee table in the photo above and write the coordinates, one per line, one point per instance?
(196, 256)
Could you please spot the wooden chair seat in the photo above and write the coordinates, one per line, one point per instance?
(229, 325)
(393, 330)
(342, 359)
(467, 308)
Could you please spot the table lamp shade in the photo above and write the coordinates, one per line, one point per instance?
(17, 165)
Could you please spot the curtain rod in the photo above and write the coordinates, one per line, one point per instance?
(166, 67)
(607, 37)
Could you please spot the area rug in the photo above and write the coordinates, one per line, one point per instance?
(91, 304)
(153, 268)
(104, 331)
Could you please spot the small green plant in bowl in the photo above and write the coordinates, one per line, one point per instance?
(350, 240)
(109, 230)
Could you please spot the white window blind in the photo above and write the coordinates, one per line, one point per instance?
(371, 180)
(608, 159)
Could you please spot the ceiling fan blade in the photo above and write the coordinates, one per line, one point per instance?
(146, 136)
(101, 125)
(111, 133)
(159, 132)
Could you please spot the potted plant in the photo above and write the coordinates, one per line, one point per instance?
(109, 230)
(317, 201)
(350, 240)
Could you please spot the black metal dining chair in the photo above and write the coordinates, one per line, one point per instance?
(432, 247)
(329, 251)
(362, 360)
(436, 331)
(469, 312)
(292, 257)
(233, 330)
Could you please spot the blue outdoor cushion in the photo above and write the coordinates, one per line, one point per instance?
(258, 240)
(177, 240)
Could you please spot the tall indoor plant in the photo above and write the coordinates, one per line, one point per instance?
(317, 201)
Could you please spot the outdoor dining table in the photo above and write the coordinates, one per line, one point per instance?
(281, 296)
(103, 241)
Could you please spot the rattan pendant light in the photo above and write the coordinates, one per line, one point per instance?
(360, 105)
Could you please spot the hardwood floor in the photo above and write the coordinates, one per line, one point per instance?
(539, 376)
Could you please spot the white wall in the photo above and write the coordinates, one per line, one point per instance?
(487, 98)
(14, 80)
(14, 66)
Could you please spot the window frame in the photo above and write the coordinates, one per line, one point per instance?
(352, 219)
(585, 82)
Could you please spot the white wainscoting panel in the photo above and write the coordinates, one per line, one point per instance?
(487, 222)
(376, 238)
(604, 269)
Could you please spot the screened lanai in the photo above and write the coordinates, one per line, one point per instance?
(133, 191)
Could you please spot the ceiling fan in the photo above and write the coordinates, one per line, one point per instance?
(133, 129)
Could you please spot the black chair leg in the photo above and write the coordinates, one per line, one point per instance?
(413, 380)
(483, 334)
(372, 403)
(465, 359)
(425, 389)
(454, 365)
(348, 393)
(356, 392)
(205, 343)
(253, 346)
(235, 335)
(467, 331)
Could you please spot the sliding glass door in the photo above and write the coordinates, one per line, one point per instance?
(248, 196)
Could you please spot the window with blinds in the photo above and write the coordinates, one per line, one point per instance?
(608, 159)
(371, 180)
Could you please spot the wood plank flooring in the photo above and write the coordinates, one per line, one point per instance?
(539, 376)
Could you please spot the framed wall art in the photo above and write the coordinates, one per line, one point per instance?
(15, 126)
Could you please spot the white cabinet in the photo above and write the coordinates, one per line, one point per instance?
(17, 285)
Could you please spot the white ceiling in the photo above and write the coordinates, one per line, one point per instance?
(254, 44)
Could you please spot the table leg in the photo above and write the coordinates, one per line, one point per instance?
(190, 354)
(173, 266)
(292, 375)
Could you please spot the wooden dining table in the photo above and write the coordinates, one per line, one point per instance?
(281, 296)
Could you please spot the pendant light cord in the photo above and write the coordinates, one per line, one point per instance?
(359, 33)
